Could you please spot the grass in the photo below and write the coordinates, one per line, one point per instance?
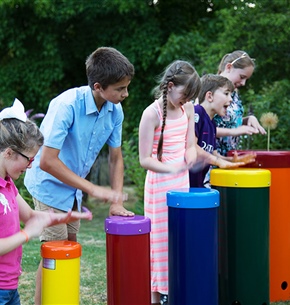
(92, 237)
(93, 286)
(93, 263)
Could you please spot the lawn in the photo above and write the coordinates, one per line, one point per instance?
(93, 260)
(92, 238)
(93, 263)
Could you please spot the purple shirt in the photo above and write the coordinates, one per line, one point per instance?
(205, 131)
(10, 263)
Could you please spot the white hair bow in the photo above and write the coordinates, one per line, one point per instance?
(14, 112)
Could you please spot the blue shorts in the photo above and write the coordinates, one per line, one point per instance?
(9, 297)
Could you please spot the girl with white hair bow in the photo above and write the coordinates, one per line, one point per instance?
(20, 140)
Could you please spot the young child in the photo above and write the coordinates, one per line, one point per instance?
(238, 67)
(167, 149)
(20, 140)
(78, 123)
(214, 98)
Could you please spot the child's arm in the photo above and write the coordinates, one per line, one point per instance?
(149, 122)
(51, 163)
(35, 222)
(191, 140)
(215, 159)
(234, 132)
(10, 243)
(116, 167)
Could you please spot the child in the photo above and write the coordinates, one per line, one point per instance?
(78, 123)
(238, 67)
(167, 149)
(214, 98)
(20, 139)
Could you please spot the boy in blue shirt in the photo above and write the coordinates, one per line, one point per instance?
(214, 98)
(78, 123)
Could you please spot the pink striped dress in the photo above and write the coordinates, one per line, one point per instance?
(156, 187)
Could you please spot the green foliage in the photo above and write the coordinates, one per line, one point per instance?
(268, 101)
(245, 27)
(134, 173)
(44, 44)
(23, 191)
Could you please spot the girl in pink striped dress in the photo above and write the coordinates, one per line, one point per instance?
(167, 149)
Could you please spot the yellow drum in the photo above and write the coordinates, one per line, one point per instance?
(60, 272)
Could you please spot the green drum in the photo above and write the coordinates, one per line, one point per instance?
(243, 235)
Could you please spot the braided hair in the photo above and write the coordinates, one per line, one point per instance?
(180, 73)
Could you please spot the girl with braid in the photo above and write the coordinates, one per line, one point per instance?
(167, 150)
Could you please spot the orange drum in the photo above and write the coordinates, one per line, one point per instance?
(278, 162)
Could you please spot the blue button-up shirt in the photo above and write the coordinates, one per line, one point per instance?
(74, 126)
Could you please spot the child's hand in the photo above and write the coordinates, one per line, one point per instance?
(244, 130)
(108, 195)
(197, 166)
(253, 121)
(245, 158)
(222, 163)
(41, 220)
(119, 210)
(70, 216)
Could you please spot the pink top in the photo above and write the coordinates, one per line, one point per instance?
(10, 263)
(156, 187)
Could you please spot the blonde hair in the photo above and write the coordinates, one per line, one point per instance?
(19, 135)
(238, 59)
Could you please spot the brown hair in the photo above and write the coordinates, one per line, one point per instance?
(239, 59)
(180, 73)
(19, 135)
(107, 66)
(212, 82)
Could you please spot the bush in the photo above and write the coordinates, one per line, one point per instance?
(134, 173)
(267, 101)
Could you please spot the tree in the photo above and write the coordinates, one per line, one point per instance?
(44, 44)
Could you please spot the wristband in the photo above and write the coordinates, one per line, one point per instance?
(25, 234)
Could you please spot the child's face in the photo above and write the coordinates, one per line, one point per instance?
(176, 96)
(116, 93)
(238, 76)
(18, 163)
(222, 98)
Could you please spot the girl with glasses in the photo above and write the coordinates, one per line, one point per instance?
(20, 140)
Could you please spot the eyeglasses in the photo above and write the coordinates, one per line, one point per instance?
(30, 160)
(242, 56)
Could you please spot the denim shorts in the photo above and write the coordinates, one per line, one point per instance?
(9, 297)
